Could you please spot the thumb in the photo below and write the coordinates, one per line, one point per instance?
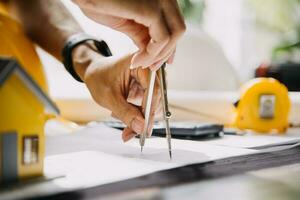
(131, 115)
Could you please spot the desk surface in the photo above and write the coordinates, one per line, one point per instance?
(280, 183)
(237, 178)
(267, 184)
(184, 105)
(215, 173)
(244, 177)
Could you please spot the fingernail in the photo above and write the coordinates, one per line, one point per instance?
(133, 63)
(132, 66)
(156, 66)
(127, 137)
(152, 68)
(137, 126)
(170, 61)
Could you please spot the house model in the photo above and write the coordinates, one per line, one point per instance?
(24, 109)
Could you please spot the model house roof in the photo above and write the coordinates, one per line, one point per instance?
(9, 66)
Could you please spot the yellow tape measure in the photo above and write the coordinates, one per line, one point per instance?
(263, 107)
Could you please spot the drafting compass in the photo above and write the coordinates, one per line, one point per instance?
(165, 106)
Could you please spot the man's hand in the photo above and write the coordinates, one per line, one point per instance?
(116, 87)
(154, 26)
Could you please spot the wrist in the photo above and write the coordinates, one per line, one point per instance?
(79, 51)
(82, 57)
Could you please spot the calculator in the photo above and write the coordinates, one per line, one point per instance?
(180, 130)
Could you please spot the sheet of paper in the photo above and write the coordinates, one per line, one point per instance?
(258, 141)
(97, 155)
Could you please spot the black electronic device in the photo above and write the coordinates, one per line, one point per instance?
(181, 130)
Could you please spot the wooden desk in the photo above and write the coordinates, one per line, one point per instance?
(185, 106)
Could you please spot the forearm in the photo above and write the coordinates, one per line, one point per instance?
(46, 22)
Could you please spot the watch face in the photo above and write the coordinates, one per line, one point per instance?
(103, 48)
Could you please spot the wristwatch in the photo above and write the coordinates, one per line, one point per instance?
(74, 41)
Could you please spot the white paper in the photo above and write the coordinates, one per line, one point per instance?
(97, 155)
(259, 141)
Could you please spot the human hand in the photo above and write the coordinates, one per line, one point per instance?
(116, 87)
(155, 26)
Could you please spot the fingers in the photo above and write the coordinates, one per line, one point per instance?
(127, 134)
(135, 94)
(176, 27)
(171, 58)
(160, 37)
(114, 116)
(158, 64)
(137, 32)
(130, 115)
(147, 43)
(131, 130)
(155, 26)
(161, 52)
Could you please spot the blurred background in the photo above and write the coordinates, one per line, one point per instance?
(226, 44)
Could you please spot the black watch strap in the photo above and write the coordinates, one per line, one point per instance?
(74, 41)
